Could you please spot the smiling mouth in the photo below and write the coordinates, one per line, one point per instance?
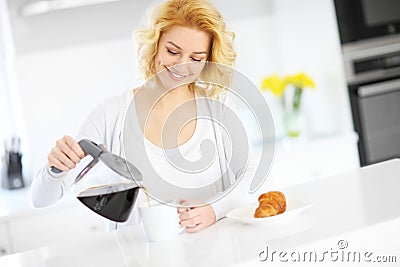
(175, 75)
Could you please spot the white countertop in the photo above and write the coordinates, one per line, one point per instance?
(16, 203)
(351, 206)
(14, 200)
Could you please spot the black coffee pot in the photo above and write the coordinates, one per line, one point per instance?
(108, 185)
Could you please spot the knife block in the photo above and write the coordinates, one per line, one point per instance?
(12, 177)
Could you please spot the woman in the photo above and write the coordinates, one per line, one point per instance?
(181, 37)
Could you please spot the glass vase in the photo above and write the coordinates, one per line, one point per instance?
(293, 118)
(293, 123)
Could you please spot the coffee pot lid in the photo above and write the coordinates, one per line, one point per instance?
(121, 166)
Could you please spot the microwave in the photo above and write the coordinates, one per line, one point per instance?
(360, 20)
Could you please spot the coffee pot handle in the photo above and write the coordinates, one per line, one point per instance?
(90, 148)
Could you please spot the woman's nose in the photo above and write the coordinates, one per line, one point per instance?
(182, 64)
(184, 59)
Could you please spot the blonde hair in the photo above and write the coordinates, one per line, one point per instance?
(197, 14)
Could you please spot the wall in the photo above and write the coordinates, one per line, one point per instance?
(309, 40)
(11, 123)
(59, 85)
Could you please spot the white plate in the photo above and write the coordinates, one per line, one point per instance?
(246, 214)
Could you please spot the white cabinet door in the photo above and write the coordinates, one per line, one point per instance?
(52, 225)
(5, 245)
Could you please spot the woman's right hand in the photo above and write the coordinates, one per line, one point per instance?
(65, 154)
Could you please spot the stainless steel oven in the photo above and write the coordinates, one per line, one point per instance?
(373, 78)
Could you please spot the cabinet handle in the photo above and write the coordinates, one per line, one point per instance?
(379, 88)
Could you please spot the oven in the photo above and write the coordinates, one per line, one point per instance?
(366, 19)
(373, 79)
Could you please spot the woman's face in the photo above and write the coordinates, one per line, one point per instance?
(181, 56)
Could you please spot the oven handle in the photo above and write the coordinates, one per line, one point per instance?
(379, 88)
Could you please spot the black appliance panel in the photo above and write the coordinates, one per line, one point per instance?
(379, 120)
(365, 19)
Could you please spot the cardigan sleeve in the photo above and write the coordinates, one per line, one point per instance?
(241, 172)
(48, 187)
(239, 193)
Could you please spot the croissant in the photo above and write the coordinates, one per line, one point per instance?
(270, 204)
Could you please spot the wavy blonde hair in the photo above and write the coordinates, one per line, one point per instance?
(197, 14)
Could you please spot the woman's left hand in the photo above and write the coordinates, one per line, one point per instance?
(197, 218)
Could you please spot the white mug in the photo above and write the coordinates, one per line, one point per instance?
(159, 221)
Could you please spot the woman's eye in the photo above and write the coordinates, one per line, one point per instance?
(196, 60)
(171, 52)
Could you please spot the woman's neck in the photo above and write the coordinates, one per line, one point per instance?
(174, 97)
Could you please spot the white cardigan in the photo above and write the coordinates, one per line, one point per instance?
(104, 126)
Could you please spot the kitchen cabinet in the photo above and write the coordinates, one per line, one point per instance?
(5, 244)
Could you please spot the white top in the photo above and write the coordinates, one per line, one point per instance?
(105, 124)
(190, 150)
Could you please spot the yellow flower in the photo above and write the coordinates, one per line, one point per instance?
(300, 80)
(273, 83)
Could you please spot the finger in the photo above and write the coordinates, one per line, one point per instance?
(183, 210)
(191, 222)
(196, 228)
(74, 145)
(67, 150)
(183, 207)
(64, 159)
(186, 215)
(53, 162)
